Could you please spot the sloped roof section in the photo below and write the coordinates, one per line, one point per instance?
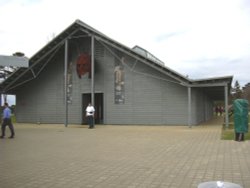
(36, 62)
(42, 57)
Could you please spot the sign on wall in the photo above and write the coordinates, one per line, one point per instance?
(83, 65)
(70, 83)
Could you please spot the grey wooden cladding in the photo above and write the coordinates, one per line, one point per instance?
(151, 97)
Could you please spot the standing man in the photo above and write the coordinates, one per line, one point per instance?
(7, 121)
(90, 111)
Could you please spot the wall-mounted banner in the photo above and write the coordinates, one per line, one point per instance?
(83, 65)
(70, 83)
(119, 82)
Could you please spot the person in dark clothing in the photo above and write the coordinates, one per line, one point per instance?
(7, 121)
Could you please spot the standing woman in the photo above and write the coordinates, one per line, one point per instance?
(90, 111)
(7, 121)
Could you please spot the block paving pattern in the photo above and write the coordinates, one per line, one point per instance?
(44, 156)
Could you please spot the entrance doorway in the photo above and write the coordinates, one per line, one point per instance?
(86, 99)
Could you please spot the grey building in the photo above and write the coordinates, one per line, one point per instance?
(126, 86)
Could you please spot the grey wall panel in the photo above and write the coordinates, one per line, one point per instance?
(197, 106)
(41, 99)
(150, 97)
(149, 100)
(175, 110)
(202, 106)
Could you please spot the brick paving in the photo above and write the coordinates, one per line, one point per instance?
(43, 156)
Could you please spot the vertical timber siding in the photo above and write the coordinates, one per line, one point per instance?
(151, 97)
(202, 106)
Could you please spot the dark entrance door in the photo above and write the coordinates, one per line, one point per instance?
(86, 99)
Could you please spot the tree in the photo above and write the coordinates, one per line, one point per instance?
(246, 92)
(236, 91)
(51, 37)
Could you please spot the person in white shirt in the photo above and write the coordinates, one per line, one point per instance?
(90, 111)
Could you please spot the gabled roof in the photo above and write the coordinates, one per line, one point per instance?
(38, 61)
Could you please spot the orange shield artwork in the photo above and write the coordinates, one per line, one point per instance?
(83, 65)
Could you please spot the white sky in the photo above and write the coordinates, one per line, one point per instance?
(198, 38)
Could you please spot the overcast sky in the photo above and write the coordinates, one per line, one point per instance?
(198, 38)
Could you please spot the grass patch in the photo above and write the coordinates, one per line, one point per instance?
(13, 118)
(229, 133)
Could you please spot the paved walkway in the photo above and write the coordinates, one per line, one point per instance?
(43, 156)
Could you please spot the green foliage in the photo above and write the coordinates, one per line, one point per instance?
(238, 92)
(13, 109)
(229, 133)
(13, 119)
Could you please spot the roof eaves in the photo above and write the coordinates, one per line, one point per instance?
(215, 81)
